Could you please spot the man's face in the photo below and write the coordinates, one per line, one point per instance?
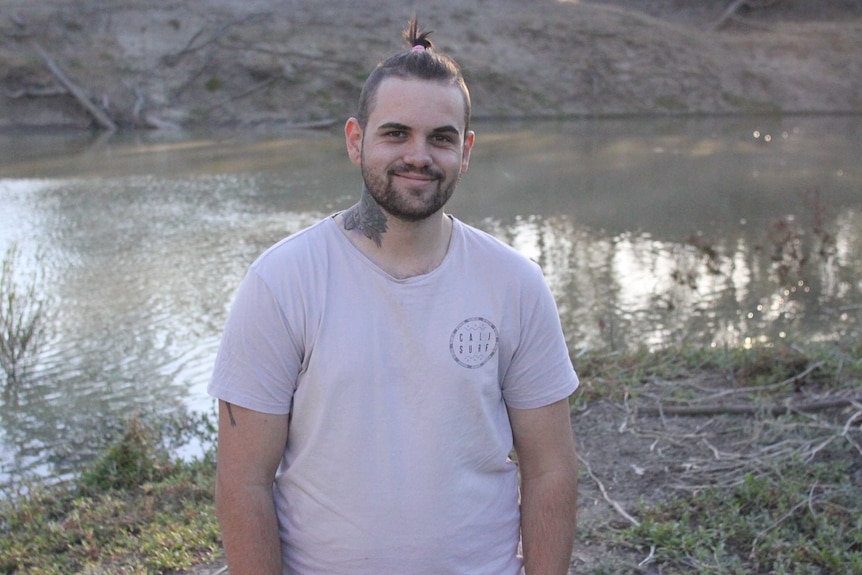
(414, 148)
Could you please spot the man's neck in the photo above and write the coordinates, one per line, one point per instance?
(401, 248)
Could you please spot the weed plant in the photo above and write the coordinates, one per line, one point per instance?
(21, 316)
(133, 511)
(800, 520)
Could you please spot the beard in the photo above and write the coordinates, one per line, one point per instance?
(405, 204)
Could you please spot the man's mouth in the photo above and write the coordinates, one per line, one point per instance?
(424, 174)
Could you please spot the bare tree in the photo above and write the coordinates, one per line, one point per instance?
(21, 317)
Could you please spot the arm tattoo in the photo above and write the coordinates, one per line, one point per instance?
(367, 217)
(230, 415)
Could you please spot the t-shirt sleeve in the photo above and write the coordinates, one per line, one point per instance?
(541, 370)
(259, 357)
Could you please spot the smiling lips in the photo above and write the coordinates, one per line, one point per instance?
(423, 174)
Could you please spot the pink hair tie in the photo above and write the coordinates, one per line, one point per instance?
(418, 48)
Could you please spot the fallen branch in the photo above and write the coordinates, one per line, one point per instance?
(778, 522)
(35, 93)
(605, 495)
(730, 11)
(101, 118)
(845, 432)
(794, 381)
(743, 409)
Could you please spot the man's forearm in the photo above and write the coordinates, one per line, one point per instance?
(549, 522)
(249, 531)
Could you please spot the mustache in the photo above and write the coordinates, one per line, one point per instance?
(426, 171)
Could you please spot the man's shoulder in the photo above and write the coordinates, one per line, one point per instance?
(308, 242)
(480, 243)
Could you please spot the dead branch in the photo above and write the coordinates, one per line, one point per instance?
(35, 93)
(101, 118)
(251, 90)
(728, 12)
(778, 522)
(748, 409)
(614, 504)
(845, 432)
(787, 382)
(735, 5)
(194, 76)
(190, 47)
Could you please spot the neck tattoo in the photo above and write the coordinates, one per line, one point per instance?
(367, 217)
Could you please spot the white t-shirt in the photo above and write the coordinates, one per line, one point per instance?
(397, 454)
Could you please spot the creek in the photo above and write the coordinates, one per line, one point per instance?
(651, 232)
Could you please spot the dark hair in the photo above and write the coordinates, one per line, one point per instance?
(426, 64)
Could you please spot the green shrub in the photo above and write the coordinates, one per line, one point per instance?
(130, 513)
(131, 461)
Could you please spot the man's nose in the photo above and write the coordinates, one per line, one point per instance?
(417, 153)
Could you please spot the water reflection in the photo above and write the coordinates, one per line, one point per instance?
(632, 289)
(650, 233)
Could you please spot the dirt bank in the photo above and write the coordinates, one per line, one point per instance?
(247, 62)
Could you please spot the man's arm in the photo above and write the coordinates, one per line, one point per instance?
(250, 447)
(545, 446)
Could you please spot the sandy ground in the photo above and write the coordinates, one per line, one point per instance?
(284, 62)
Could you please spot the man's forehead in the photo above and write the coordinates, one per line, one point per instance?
(406, 101)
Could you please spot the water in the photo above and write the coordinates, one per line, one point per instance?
(651, 232)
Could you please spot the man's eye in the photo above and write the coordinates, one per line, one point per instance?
(442, 139)
(395, 134)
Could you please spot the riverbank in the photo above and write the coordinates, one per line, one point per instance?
(261, 62)
(692, 460)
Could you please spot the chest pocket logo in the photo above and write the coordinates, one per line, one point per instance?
(474, 342)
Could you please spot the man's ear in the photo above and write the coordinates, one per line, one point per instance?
(353, 137)
(469, 139)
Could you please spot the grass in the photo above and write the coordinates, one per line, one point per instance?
(793, 500)
(617, 375)
(132, 511)
(805, 519)
(136, 510)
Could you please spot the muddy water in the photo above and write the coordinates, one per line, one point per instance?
(650, 232)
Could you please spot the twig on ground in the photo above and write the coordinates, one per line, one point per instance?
(762, 450)
(614, 504)
(778, 522)
(845, 432)
(35, 92)
(742, 409)
(770, 387)
(648, 559)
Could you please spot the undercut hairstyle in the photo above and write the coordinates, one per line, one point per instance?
(420, 62)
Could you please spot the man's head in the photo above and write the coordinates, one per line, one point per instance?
(421, 62)
(411, 136)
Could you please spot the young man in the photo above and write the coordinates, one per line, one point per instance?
(377, 369)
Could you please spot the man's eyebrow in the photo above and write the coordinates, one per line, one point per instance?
(447, 129)
(393, 126)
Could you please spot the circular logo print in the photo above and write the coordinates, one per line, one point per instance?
(474, 342)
